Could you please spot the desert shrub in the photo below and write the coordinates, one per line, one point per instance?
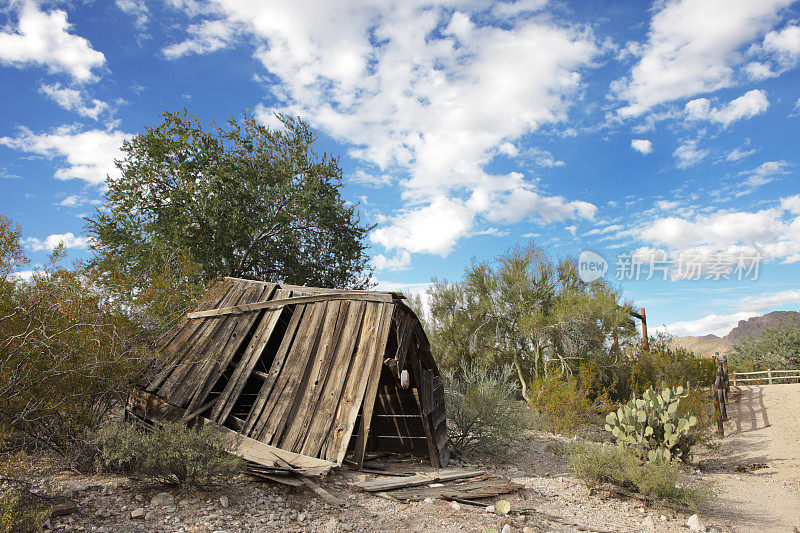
(665, 366)
(596, 464)
(172, 454)
(651, 426)
(67, 356)
(560, 402)
(21, 511)
(483, 411)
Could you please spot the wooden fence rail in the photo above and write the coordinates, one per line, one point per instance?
(770, 376)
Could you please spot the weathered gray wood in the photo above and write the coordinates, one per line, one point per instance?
(332, 327)
(229, 338)
(194, 349)
(174, 351)
(274, 304)
(248, 361)
(275, 371)
(417, 480)
(280, 402)
(368, 404)
(330, 396)
(355, 383)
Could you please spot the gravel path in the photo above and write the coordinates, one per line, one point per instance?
(763, 432)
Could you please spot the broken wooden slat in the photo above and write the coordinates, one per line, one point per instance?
(278, 408)
(195, 351)
(332, 326)
(258, 452)
(230, 338)
(332, 390)
(417, 480)
(483, 486)
(248, 361)
(274, 372)
(372, 385)
(355, 384)
(274, 304)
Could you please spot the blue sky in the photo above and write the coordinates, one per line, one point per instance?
(662, 135)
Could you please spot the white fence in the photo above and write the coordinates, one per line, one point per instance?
(768, 376)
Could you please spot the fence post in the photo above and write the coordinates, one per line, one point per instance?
(734, 379)
(769, 373)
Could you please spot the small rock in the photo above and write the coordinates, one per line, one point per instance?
(490, 509)
(507, 529)
(139, 498)
(74, 486)
(301, 517)
(695, 524)
(223, 501)
(648, 523)
(331, 525)
(455, 505)
(149, 515)
(137, 513)
(662, 518)
(162, 498)
(186, 502)
(429, 500)
(527, 529)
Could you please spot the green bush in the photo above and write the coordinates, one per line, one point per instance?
(560, 402)
(172, 453)
(483, 412)
(652, 428)
(21, 511)
(595, 464)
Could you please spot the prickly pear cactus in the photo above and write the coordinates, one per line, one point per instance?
(651, 427)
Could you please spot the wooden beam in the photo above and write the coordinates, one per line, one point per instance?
(274, 304)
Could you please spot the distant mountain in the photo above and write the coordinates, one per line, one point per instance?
(708, 345)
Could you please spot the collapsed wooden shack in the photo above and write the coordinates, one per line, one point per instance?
(306, 378)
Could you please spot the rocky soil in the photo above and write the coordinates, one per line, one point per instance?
(552, 501)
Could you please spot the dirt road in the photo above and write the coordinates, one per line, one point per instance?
(762, 437)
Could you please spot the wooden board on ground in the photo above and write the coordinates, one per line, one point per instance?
(381, 485)
(475, 488)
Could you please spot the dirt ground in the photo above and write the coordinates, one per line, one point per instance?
(763, 430)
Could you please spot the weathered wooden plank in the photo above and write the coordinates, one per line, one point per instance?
(261, 453)
(170, 350)
(248, 361)
(332, 390)
(193, 348)
(227, 342)
(280, 403)
(371, 392)
(296, 431)
(354, 384)
(273, 304)
(441, 476)
(274, 371)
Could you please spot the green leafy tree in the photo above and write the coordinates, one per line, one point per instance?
(526, 310)
(243, 200)
(776, 347)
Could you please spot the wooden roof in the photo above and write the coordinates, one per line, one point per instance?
(287, 366)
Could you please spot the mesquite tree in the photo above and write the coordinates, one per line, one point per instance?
(243, 200)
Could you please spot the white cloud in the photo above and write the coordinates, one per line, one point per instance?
(44, 39)
(69, 240)
(784, 45)
(773, 233)
(400, 261)
(73, 100)
(643, 146)
(694, 46)
(75, 200)
(748, 105)
(205, 37)
(89, 155)
(424, 92)
(688, 154)
(748, 307)
(739, 153)
(137, 9)
(761, 175)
